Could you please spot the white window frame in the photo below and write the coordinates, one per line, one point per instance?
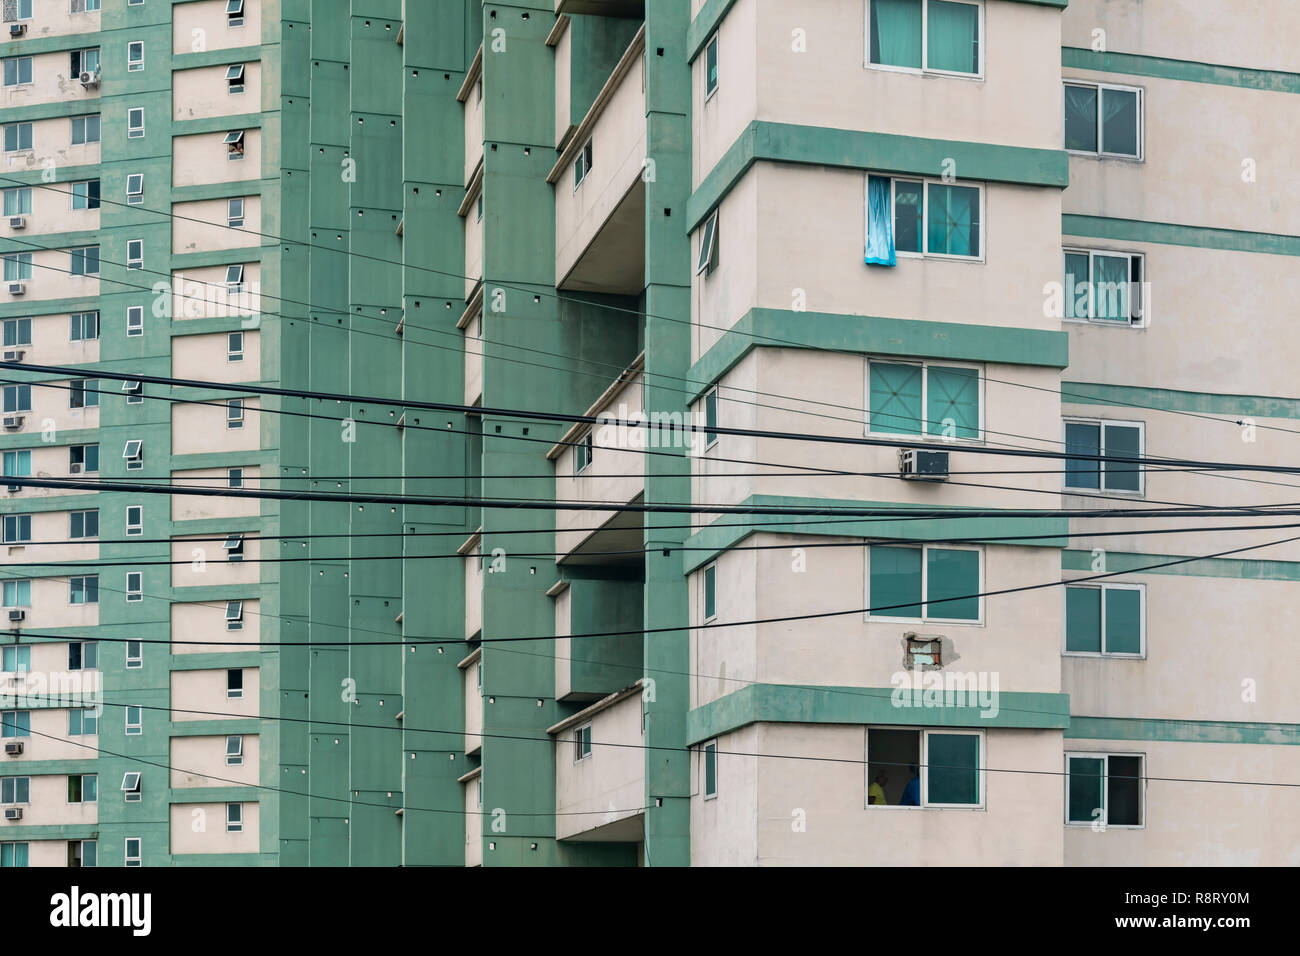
(923, 767)
(1102, 489)
(705, 572)
(235, 824)
(1104, 756)
(235, 693)
(584, 448)
(134, 728)
(31, 137)
(31, 73)
(135, 261)
(704, 770)
(234, 354)
(234, 142)
(235, 758)
(582, 165)
(134, 661)
(134, 594)
(134, 64)
(235, 78)
(926, 182)
(134, 132)
(578, 741)
(1098, 153)
(1104, 587)
(133, 859)
(708, 252)
(134, 320)
(925, 45)
(235, 413)
(235, 608)
(926, 437)
(136, 527)
(711, 397)
(235, 221)
(134, 462)
(16, 802)
(235, 13)
(716, 46)
(131, 784)
(234, 547)
(925, 601)
(1090, 318)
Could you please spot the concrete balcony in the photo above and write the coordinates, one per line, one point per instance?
(473, 782)
(471, 97)
(472, 678)
(588, 670)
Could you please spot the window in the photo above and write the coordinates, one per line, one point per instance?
(234, 684)
(18, 70)
(582, 165)
(83, 524)
(83, 723)
(235, 78)
(85, 6)
(1103, 441)
(15, 723)
(18, 267)
(135, 122)
(936, 36)
(235, 13)
(710, 418)
(924, 583)
(14, 854)
(711, 67)
(133, 452)
(134, 188)
(131, 786)
(583, 452)
(234, 144)
(85, 130)
(83, 458)
(478, 208)
(135, 320)
(18, 201)
(234, 346)
(710, 751)
(234, 817)
(83, 393)
(135, 519)
(133, 851)
(134, 392)
(135, 56)
(135, 253)
(134, 721)
(83, 655)
(17, 593)
(234, 615)
(235, 413)
(85, 195)
(235, 213)
(582, 742)
(234, 547)
(83, 589)
(235, 478)
(83, 788)
(710, 592)
(234, 751)
(84, 326)
(930, 218)
(18, 464)
(1104, 788)
(134, 655)
(83, 853)
(18, 136)
(134, 586)
(84, 61)
(17, 529)
(708, 259)
(1103, 120)
(1103, 286)
(1105, 619)
(925, 768)
(16, 659)
(15, 789)
(85, 261)
(135, 3)
(937, 401)
(17, 10)
(17, 332)
(234, 278)
(18, 398)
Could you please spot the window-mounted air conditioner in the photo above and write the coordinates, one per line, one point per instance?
(13, 750)
(17, 222)
(17, 288)
(923, 465)
(13, 813)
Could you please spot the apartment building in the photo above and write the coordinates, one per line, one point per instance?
(958, 227)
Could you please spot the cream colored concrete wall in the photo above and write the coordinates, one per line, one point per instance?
(610, 779)
(1247, 33)
(204, 563)
(190, 236)
(48, 461)
(204, 694)
(725, 659)
(473, 249)
(204, 92)
(202, 293)
(50, 607)
(47, 853)
(724, 829)
(474, 360)
(618, 154)
(51, 277)
(192, 507)
(563, 644)
(1196, 824)
(51, 346)
(49, 807)
(473, 824)
(54, 19)
(193, 759)
(50, 740)
(473, 709)
(52, 145)
(206, 621)
(52, 81)
(721, 297)
(563, 84)
(473, 592)
(200, 158)
(50, 526)
(50, 410)
(52, 212)
(716, 123)
(473, 112)
(202, 428)
(206, 357)
(201, 828)
(215, 33)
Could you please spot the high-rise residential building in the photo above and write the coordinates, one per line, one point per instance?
(629, 433)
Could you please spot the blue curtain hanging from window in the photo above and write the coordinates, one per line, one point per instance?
(880, 223)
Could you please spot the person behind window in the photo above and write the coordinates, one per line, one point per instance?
(876, 792)
(912, 792)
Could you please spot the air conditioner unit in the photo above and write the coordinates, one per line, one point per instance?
(17, 29)
(14, 489)
(920, 464)
(88, 78)
(13, 750)
(13, 813)
(74, 469)
(17, 222)
(14, 355)
(17, 615)
(13, 422)
(17, 288)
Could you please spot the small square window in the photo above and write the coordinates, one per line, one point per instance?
(235, 78)
(133, 851)
(133, 452)
(234, 615)
(235, 547)
(234, 144)
(234, 751)
(134, 392)
(234, 278)
(235, 478)
(235, 13)
(711, 67)
(708, 258)
(135, 253)
(582, 165)
(1105, 789)
(710, 593)
(584, 452)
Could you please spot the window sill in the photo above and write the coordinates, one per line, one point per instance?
(924, 72)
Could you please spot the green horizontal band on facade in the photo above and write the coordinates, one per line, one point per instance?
(873, 335)
(228, 55)
(218, 124)
(51, 242)
(38, 176)
(55, 109)
(1243, 568)
(1159, 67)
(726, 532)
(800, 704)
(53, 831)
(1172, 234)
(244, 726)
(1182, 731)
(879, 152)
(224, 859)
(218, 257)
(233, 793)
(238, 188)
(41, 307)
(1169, 400)
(218, 660)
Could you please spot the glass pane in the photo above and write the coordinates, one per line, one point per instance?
(893, 762)
(953, 768)
(1122, 441)
(711, 66)
(1123, 621)
(952, 406)
(907, 216)
(953, 220)
(1076, 285)
(896, 33)
(1110, 289)
(1081, 118)
(1119, 122)
(895, 399)
(954, 575)
(1124, 791)
(1082, 439)
(895, 581)
(1084, 789)
(1083, 619)
(952, 37)
(711, 768)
